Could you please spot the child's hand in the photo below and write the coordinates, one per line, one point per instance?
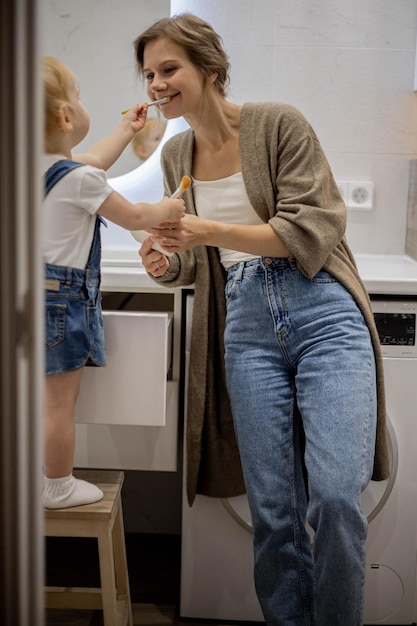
(173, 210)
(136, 117)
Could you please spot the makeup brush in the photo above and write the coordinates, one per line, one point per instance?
(141, 235)
(184, 184)
(150, 104)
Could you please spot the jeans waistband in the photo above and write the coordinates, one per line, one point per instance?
(261, 263)
(68, 276)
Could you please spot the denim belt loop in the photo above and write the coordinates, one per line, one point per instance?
(69, 277)
(239, 272)
(293, 263)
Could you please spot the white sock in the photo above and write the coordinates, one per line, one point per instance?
(62, 493)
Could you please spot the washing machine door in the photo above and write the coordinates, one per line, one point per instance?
(377, 493)
(373, 500)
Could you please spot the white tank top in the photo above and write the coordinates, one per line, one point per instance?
(225, 200)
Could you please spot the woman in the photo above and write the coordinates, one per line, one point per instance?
(264, 245)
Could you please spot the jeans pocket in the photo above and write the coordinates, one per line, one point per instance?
(54, 324)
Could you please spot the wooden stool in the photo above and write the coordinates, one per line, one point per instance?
(103, 520)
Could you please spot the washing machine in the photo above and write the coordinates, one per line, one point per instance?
(390, 596)
(217, 558)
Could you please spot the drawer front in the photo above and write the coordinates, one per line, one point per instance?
(131, 447)
(132, 388)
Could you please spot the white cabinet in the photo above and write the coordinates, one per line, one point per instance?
(127, 412)
(132, 388)
(150, 448)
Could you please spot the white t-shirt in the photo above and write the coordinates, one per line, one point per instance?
(225, 200)
(69, 213)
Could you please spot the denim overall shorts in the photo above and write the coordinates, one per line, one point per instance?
(74, 331)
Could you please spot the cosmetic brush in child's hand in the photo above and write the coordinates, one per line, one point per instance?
(141, 235)
(150, 104)
(184, 184)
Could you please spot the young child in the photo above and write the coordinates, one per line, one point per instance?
(71, 253)
(147, 141)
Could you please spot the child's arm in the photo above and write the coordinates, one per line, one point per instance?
(104, 153)
(142, 215)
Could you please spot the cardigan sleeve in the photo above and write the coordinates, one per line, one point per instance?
(310, 213)
(290, 183)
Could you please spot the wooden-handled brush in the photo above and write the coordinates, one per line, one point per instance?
(151, 104)
(184, 184)
(141, 235)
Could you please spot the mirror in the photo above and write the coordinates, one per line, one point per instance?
(95, 39)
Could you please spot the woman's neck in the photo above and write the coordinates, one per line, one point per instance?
(217, 144)
(217, 126)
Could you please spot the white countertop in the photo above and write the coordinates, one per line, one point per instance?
(388, 274)
(127, 278)
(122, 270)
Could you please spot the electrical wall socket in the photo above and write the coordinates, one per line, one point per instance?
(360, 195)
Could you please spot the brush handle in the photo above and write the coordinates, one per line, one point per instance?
(151, 104)
(141, 235)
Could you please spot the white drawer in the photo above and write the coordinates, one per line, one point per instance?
(132, 388)
(131, 447)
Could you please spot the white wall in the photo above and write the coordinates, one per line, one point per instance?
(95, 39)
(348, 65)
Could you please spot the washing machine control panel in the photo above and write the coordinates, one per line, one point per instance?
(396, 324)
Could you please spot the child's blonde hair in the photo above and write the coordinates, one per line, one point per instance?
(56, 80)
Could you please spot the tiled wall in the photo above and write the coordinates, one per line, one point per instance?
(411, 237)
(348, 65)
(95, 38)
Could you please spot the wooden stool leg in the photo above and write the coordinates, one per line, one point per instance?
(107, 574)
(104, 521)
(120, 563)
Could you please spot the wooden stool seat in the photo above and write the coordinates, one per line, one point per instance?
(103, 520)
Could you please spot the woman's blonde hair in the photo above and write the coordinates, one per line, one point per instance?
(200, 41)
(56, 80)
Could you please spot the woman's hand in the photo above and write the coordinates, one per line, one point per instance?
(191, 231)
(153, 261)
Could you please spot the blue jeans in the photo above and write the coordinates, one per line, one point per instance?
(301, 378)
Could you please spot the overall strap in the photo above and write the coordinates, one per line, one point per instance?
(57, 171)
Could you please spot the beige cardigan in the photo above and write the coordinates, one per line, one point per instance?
(290, 185)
